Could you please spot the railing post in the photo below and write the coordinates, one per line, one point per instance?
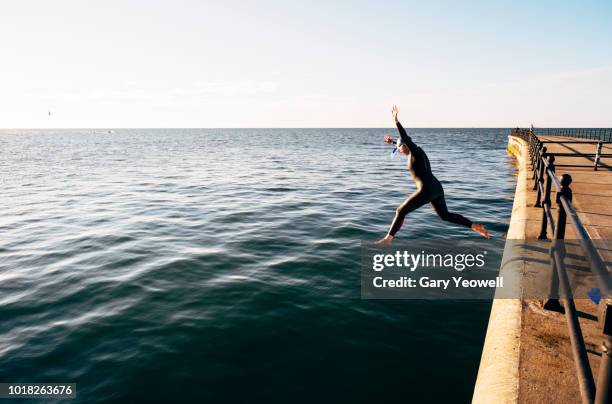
(535, 161)
(581, 359)
(540, 178)
(553, 302)
(546, 202)
(534, 143)
(603, 394)
(566, 191)
(530, 143)
(598, 155)
(534, 165)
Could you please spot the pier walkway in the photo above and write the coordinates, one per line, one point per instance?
(530, 350)
(546, 365)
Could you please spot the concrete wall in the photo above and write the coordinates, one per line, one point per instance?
(498, 374)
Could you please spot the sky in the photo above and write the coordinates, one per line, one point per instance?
(111, 64)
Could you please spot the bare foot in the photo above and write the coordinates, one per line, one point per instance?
(480, 229)
(385, 241)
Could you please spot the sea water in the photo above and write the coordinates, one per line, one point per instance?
(222, 265)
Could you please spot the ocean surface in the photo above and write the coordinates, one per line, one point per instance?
(222, 265)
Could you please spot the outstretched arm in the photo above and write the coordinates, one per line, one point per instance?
(389, 140)
(405, 138)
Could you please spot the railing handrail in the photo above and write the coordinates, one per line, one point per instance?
(598, 266)
(604, 134)
(600, 134)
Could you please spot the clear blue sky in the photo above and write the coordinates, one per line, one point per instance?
(305, 64)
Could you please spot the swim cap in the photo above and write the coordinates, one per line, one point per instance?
(399, 142)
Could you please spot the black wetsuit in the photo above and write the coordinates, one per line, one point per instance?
(429, 189)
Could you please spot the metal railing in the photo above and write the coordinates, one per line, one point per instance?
(603, 134)
(543, 165)
(597, 134)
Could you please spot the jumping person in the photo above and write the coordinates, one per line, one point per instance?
(428, 188)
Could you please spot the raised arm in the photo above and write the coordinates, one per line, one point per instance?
(405, 138)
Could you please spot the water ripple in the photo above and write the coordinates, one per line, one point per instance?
(142, 263)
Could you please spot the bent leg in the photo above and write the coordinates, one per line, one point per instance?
(413, 202)
(439, 205)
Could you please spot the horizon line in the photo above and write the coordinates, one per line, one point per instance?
(301, 127)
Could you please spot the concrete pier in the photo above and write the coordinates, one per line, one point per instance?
(527, 355)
